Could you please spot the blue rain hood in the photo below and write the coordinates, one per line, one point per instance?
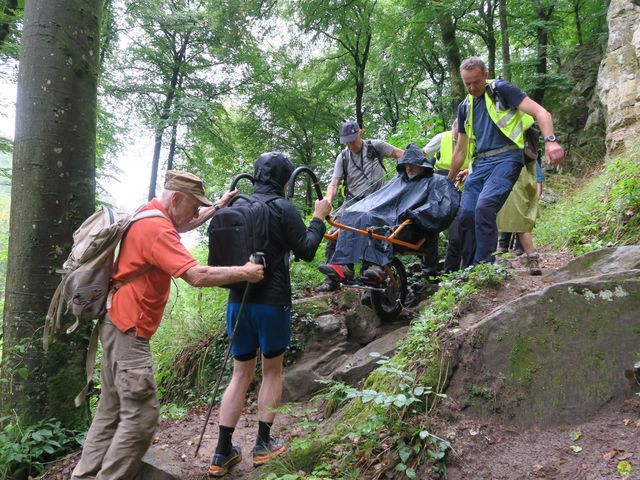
(414, 155)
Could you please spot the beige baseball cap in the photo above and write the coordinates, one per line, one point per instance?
(187, 183)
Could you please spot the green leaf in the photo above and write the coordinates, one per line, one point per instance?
(418, 391)
(401, 400)
(575, 448)
(48, 448)
(404, 453)
(575, 436)
(624, 468)
(424, 434)
(23, 372)
(411, 473)
(401, 467)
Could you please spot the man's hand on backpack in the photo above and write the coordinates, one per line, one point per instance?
(254, 271)
(226, 198)
(322, 209)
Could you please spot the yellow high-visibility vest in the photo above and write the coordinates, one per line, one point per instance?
(445, 154)
(511, 122)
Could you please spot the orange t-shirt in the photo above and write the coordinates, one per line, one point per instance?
(150, 241)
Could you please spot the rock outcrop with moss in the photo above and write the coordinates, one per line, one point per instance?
(558, 355)
(619, 77)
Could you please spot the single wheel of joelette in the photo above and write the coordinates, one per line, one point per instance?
(388, 304)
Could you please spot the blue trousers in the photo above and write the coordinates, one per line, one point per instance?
(485, 191)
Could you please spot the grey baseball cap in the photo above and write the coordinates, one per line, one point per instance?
(349, 131)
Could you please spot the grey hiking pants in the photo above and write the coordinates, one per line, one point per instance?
(127, 414)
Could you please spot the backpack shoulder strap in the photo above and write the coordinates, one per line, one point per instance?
(134, 218)
(147, 214)
(345, 166)
(375, 154)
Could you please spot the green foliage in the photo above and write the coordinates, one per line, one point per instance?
(191, 342)
(603, 212)
(385, 426)
(418, 129)
(24, 449)
(305, 275)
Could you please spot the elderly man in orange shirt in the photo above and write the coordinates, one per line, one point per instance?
(150, 255)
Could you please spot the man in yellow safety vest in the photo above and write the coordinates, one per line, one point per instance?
(495, 116)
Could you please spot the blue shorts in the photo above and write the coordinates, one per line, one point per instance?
(267, 327)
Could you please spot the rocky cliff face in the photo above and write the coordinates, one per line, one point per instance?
(619, 77)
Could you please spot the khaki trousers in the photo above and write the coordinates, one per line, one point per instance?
(127, 414)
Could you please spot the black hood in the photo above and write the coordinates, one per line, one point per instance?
(414, 155)
(271, 173)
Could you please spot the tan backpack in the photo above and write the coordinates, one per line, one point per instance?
(86, 275)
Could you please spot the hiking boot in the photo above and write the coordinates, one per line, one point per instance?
(220, 464)
(327, 286)
(263, 453)
(373, 276)
(532, 261)
(336, 273)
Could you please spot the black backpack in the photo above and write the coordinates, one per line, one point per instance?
(238, 231)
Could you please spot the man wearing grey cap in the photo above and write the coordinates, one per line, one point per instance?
(361, 169)
(150, 255)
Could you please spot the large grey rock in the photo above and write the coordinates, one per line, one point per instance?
(362, 324)
(158, 464)
(329, 329)
(554, 356)
(302, 379)
(619, 78)
(312, 306)
(606, 260)
(360, 364)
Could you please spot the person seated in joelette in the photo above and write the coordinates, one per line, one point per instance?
(430, 201)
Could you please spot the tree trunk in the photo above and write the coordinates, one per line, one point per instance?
(165, 112)
(155, 161)
(452, 54)
(504, 35)
(172, 146)
(543, 40)
(360, 68)
(576, 12)
(52, 192)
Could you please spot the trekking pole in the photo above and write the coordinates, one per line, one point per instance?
(257, 257)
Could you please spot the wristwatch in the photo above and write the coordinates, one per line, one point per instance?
(550, 138)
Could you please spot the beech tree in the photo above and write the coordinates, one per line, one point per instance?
(53, 191)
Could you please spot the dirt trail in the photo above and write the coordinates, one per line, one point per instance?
(483, 450)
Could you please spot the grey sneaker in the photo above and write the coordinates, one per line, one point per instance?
(263, 453)
(220, 464)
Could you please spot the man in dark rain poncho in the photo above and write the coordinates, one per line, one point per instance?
(430, 201)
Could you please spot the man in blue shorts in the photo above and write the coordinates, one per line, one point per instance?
(494, 116)
(266, 318)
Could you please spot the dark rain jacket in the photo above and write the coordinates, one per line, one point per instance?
(430, 201)
(287, 232)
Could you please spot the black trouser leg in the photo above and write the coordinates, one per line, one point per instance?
(454, 249)
(431, 258)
